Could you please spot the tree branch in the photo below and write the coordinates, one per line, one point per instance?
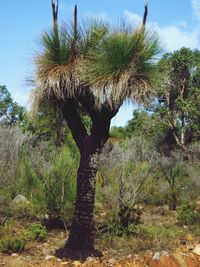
(75, 123)
(87, 100)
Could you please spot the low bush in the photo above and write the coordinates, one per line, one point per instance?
(23, 211)
(195, 229)
(13, 244)
(187, 215)
(36, 232)
(154, 231)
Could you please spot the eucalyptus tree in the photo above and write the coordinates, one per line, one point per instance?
(178, 95)
(10, 112)
(96, 68)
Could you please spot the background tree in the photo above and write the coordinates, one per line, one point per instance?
(173, 170)
(10, 112)
(178, 96)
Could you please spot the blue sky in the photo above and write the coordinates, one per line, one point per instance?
(176, 21)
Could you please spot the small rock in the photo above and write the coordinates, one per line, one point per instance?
(190, 247)
(162, 210)
(168, 261)
(179, 259)
(156, 256)
(196, 250)
(89, 259)
(62, 234)
(190, 262)
(183, 242)
(14, 254)
(49, 257)
(189, 237)
(129, 256)
(111, 261)
(76, 263)
(165, 253)
(19, 199)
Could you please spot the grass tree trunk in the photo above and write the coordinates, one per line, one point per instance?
(80, 243)
(82, 231)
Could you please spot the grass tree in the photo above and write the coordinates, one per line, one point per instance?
(96, 67)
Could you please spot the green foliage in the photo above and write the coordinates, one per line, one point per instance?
(118, 52)
(47, 179)
(178, 95)
(23, 211)
(154, 231)
(195, 229)
(187, 214)
(36, 232)
(10, 112)
(29, 182)
(116, 229)
(57, 48)
(59, 184)
(145, 124)
(13, 244)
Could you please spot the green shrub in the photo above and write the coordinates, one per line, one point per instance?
(154, 231)
(60, 186)
(13, 244)
(29, 179)
(195, 229)
(36, 232)
(23, 210)
(187, 214)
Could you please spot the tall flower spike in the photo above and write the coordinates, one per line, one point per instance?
(75, 21)
(55, 13)
(145, 13)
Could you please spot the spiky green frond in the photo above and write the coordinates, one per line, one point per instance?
(54, 67)
(115, 64)
(57, 63)
(122, 64)
(90, 33)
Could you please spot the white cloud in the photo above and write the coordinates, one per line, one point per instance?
(21, 96)
(196, 8)
(172, 37)
(133, 17)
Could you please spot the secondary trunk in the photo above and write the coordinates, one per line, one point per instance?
(173, 202)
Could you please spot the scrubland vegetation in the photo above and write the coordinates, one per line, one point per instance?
(146, 174)
(148, 184)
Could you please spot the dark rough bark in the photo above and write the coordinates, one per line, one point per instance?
(82, 231)
(80, 243)
(173, 202)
